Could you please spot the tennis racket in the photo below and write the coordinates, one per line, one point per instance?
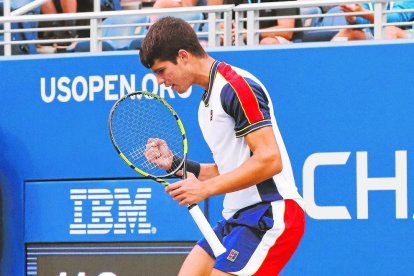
(149, 136)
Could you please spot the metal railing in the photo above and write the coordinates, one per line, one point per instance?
(217, 18)
(216, 15)
(249, 14)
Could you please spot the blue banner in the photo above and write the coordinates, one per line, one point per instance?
(344, 111)
(112, 210)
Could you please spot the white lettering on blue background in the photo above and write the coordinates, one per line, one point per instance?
(109, 87)
(364, 184)
(94, 212)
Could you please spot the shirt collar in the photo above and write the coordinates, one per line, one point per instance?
(212, 76)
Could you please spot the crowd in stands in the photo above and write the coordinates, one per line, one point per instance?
(391, 32)
(269, 33)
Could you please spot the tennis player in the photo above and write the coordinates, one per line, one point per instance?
(263, 212)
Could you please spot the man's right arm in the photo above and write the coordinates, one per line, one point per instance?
(208, 171)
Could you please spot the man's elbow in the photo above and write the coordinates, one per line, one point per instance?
(273, 163)
(278, 166)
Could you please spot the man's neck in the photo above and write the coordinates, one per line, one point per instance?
(203, 71)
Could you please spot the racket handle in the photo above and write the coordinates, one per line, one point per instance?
(206, 230)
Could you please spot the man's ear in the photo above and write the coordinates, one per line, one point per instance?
(183, 55)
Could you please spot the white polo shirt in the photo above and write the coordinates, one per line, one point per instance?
(235, 104)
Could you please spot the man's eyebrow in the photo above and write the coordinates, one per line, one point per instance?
(156, 71)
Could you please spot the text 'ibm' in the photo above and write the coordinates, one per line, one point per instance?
(100, 211)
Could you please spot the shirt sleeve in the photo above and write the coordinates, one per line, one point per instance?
(247, 104)
(401, 16)
(398, 16)
(360, 20)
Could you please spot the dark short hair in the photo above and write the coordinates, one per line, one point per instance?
(165, 38)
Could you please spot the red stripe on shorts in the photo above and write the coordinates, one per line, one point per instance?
(280, 253)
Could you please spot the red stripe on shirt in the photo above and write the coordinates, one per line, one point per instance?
(244, 93)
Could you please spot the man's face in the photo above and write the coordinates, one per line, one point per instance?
(171, 74)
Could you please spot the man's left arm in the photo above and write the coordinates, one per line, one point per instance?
(264, 163)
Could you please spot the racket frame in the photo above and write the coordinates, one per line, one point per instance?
(193, 209)
(159, 179)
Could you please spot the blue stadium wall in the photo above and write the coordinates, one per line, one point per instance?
(345, 112)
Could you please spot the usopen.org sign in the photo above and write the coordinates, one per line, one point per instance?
(104, 211)
(96, 87)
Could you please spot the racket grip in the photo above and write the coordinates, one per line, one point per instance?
(206, 230)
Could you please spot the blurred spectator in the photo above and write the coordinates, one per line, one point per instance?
(160, 4)
(279, 37)
(62, 6)
(66, 6)
(394, 32)
(178, 3)
(367, 33)
(271, 36)
(88, 6)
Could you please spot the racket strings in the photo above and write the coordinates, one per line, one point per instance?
(135, 121)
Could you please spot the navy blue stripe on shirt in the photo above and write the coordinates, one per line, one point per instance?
(233, 107)
(212, 76)
(268, 190)
(252, 127)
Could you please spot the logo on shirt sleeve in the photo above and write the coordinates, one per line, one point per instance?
(211, 115)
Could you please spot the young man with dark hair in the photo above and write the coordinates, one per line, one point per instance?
(263, 212)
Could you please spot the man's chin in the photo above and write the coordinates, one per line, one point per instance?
(179, 90)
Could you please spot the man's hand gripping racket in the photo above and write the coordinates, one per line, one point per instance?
(150, 137)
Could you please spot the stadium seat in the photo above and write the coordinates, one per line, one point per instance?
(135, 44)
(15, 4)
(23, 48)
(311, 21)
(326, 35)
(334, 20)
(117, 44)
(204, 29)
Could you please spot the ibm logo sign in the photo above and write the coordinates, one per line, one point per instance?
(100, 211)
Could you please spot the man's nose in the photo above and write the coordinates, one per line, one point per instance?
(160, 80)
